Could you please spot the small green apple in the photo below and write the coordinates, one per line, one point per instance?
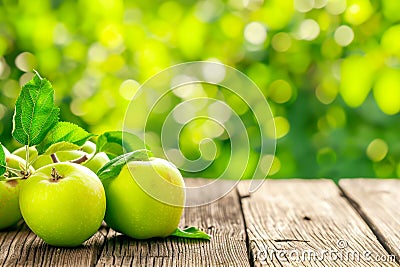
(97, 162)
(21, 152)
(89, 147)
(146, 199)
(63, 203)
(10, 213)
(62, 156)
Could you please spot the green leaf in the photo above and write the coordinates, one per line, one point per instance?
(116, 143)
(3, 162)
(113, 168)
(63, 132)
(191, 232)
(35, 113)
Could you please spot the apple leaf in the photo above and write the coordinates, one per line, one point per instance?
(3, 162)
(191, 232)
(35, 113)
(57, 139)
(113, 168)
(116, 143)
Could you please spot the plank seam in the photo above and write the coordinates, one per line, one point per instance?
(250, 255)
(381, 239)
(103, 245)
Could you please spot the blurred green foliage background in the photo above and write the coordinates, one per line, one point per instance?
(328, 68)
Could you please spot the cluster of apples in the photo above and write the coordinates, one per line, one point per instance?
(63, 201)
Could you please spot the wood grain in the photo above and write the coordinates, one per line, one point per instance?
(222, 219)
(378, 202)
(21, 247)
(289, 222)
(289, 216)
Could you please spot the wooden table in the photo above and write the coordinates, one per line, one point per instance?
(285, 223)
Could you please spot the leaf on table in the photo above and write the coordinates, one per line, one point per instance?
(117, 143)
(113, 168)
(3, 162)
(191, 232)
(64, 136)
(35, 113)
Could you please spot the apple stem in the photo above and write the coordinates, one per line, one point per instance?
(80, 160)
(55, 175)
(54, 158)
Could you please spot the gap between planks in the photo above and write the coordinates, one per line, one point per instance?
(297, 216)
(222, 219)
(377, 202)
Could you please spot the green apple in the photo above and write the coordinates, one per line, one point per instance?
(10, 213)
(62, 156)
(89, 147)
(146, 199)
(97, 162)
(63, 203)
(21, 152)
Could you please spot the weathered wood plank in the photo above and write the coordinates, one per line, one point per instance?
(378, 202)
(222, 219)
(307, 223)
(21, 247)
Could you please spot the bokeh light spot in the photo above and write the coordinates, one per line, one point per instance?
(208, 149)
(255, 33)
(327, 90)
(377, 150)
(357, 73)
(320, 3)
(303, 6)
(110, 36)
(281, 41)
(212, 129)
(384, 168)
(390, 40)
(128, 89)
(11, 89)
(280, 91)
(184, 113)
(266, 162)
(336, 7)
(214, 73)
(282, 126)
(26, 77)
(219, 111)
(387, 91)
(391, 10)
(25, 61)
(308, 30)
(344, 35)
(358, 11)
(5, 70)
